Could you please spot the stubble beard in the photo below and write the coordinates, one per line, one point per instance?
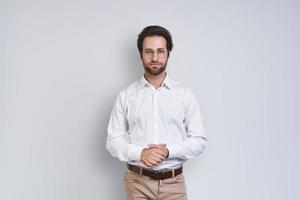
(155, 72)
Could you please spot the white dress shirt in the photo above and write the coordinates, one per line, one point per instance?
(144, 115)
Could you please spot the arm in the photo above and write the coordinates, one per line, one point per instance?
(195, 142)
(117, 145)
(117, 131)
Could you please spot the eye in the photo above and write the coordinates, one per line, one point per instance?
(161, 52)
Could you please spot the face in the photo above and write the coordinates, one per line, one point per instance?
(154, 55)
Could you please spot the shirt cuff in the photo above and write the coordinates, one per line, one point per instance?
(134, 152)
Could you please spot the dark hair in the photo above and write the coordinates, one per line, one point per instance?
(154, 30)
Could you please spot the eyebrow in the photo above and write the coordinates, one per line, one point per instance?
(154, 49)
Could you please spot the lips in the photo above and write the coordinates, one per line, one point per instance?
(155, 64)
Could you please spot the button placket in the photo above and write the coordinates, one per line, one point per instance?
(155, 117)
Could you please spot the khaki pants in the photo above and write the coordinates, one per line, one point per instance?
(142, 187)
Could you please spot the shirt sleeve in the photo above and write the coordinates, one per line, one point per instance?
(117, 132)
(196, 140)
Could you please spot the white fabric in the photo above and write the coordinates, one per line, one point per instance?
(144, 115)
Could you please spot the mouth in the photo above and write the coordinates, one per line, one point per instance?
(155, 64)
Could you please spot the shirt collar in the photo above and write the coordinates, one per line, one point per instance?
(167, 82)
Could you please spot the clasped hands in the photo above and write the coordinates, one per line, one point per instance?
(154, 154)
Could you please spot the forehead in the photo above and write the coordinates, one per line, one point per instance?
(154, 42)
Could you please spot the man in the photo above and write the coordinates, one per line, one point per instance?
(155, 125)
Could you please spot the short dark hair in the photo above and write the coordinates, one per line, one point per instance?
(154, 30)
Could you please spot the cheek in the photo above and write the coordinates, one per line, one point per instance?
(145, 61)
(165, 60)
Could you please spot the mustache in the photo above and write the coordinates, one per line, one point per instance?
(155, 63)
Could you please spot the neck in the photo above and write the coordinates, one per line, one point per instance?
(157, 80)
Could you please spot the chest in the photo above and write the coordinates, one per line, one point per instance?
(164, 105)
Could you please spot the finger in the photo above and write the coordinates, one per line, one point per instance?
(165, 151)
(152, 161)
(164, 148)
(148, 164)
(145, 161)
(162, 155)
(154, 158)
(159, 156)
(151, 155)
(158, 151)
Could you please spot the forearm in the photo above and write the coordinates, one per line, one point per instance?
(188, 148)
(122, 150)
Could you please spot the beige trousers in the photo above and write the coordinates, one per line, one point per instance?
(142, 187)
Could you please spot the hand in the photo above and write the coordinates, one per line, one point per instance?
(162, 147)
(153, 155)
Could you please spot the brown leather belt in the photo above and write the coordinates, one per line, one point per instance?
(155, 174)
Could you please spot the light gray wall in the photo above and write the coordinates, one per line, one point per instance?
(63, 63)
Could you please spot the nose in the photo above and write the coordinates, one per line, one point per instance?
(154, 56)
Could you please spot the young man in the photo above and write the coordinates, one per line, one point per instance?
(155, 125)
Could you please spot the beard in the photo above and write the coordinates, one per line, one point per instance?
(155, 71)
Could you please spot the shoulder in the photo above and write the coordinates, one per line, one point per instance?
(177, 86)
(130, 89)
(185, 93)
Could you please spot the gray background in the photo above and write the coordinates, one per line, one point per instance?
(63, 63)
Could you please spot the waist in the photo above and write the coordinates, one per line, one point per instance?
(167, 164)
(155, 174)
